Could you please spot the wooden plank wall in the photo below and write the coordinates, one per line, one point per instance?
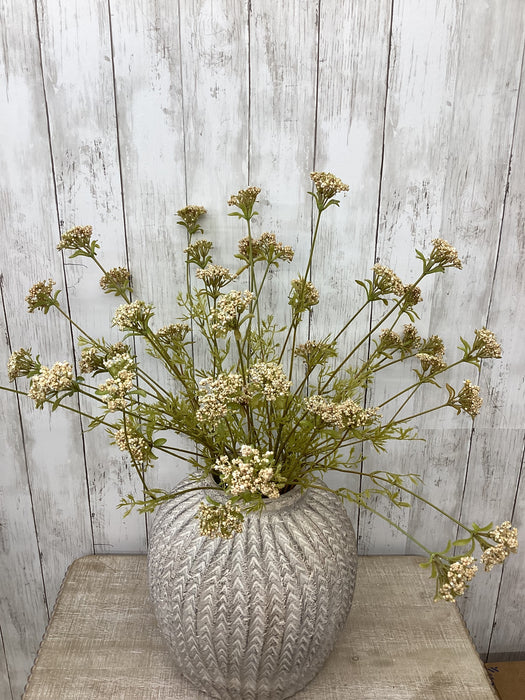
(119, 113)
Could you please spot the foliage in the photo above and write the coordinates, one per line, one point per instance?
(266, 413)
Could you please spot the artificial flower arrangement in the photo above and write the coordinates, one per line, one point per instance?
(266, 413)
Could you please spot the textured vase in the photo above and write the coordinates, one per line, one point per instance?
(254, 617)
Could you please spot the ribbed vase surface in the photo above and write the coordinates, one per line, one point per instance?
(254, 617)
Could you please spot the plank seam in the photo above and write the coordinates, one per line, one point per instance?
(376, 241)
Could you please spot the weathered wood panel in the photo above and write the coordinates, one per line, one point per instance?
(469, 63)
(23, 605)
(353, 59)
(149, 100)
(76, 60)
(53, 448)
(498, 439)
(153, 104)
(283, 65)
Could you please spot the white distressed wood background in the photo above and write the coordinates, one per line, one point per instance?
(117, 113)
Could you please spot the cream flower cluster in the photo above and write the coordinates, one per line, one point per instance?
(485, 344)
(252, 472)
(215, 275)
(173, 333)
(198, 250)
(223, 520)
(469, 399)
(129, 317)
(411, 337)
(506, 538)
(136, 445)
(347, 414)
(266, 247)
(19, 364)
(315, 352)
(39, 295)
(117, 277)
(244, 198)
(225, 316)
(432, 362)
(387, 281)
(304, 295)
(215, 395)
(191, 214)
(77, 237)
(113, 391)
(50, 380)
(458, 576)
(270, 379)
(327, 184)
(93, 359)
(445, 254)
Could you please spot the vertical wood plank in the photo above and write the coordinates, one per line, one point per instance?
(215, 83)
(507, 639)
(23, 608)
(471, 186)
(353, 56)
(283, 79)
(150, 118)
(497, 443)
(28, 220)
(424, 42)
(78, 80)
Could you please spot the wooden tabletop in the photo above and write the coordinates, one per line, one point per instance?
(102, 642)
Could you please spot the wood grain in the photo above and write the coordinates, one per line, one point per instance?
(117, 114)
(86, 170)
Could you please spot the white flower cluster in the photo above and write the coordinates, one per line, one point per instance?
(347, 414)
(136, 445)
(458, 576)
(267, 247)
(304, 295)
(215, 275)
(445, 254)
(229, 306)
(251, 472)
(431, 362)
(506, 538)
(486, 344)
(129, 317)
(40, 296)
(77, 237)
(270, 379)
(191, 214)
(387, 281)
(222, 520)
(173, 333)
(48, 381)
(215, 395)
(328, 184)
(113, 391)
(19, 364)
(469, 399)
(117, 277)
(244, 198)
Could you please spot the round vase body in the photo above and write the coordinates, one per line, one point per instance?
(256, 616)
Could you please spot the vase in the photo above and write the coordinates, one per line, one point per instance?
(256, 616)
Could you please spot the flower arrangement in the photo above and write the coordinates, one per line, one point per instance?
(266, 413)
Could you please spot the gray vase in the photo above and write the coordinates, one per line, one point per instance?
(254, 617)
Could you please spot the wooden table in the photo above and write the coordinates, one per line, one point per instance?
(102, 641)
